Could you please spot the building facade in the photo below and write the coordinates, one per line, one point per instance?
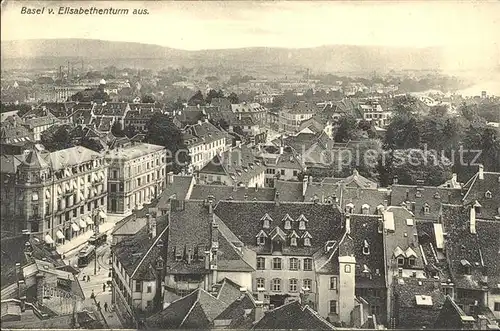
(136, 175)
(55, 196)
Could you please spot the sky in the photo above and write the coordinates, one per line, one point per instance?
(213, 25)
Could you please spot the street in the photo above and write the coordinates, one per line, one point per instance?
(99, 274)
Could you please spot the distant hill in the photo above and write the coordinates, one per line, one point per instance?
(338, 58)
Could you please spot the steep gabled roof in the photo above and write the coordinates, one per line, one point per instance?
(292, 316)
(476, 189)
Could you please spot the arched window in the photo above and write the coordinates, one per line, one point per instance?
(366, 248)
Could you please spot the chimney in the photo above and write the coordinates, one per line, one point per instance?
(304, 185)
(347, 224)
(481, 172)
(259, 310)
(395, 179)
(454, 178)
(385, 204)
(207, 260)
(170, 177)
(472, 219)
(282, 149)
(277, 198)
(189, 255)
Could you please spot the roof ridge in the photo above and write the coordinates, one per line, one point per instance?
(149, 250)
(192, 307)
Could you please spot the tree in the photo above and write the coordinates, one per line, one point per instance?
(347, 129)
(278, 102)
(57, 139)
(403, 132)
(116, 130)
(162, 131)
(212, 94)
(130, 131)
(233, 97)
(197, 99)
(148, 98)
(412, 165)
(91, 144)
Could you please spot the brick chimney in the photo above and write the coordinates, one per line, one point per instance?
(481, 172)
(259, 304)
(472, 220)
(305, 181)
(277, 198)
(347, 224)
(214, 250)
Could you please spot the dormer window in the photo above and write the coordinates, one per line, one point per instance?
(302, 222)
(437, 196)
(418, 194)
(401, 261)
(487, 194)
(266, 221)
(349, 208)
(411, 261)
(307, 239)
(426, 209)
(366, 248)
(466, 266)
(178, 254)
(261, 238)
(288, 222)
(477, 207)
(293, 239)
(365, 209)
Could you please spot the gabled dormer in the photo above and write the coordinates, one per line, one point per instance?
(287, 222)
(266, 221)
(349, 208)
(426, 208)
(477, 207)
(302, 222)
(412, 256)
(306, 237)
(293, 238)
(466, 267)
(365, 209)
(366, 247)
(399, 255)
(488, 195)
(437, 196)
(261, 238)
(278, 238)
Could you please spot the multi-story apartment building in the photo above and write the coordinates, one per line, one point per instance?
(204, 141)
(373, 111)
(253, 110)
(291, 118)
(38, 124)
(136, 175)
(55, 196)
(236, 167)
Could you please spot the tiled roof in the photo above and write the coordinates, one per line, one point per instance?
(416, 197)
(13, 251)
(364, 229)
(462, 246)
(239, 163)
(361, 197)
(240, 313)
(489, 235)
(409, 313)
(111, 109)
(34, 122)
(247, 108)
(289, 191)
(9, 163)
(204, 132)
(196, 310)
(244, 220)
(180, 188)
(191, 228)
(222, 192)
(70, 157)
(292, 316)
(477, 191)
(404, 235)
(140, 251)
(321, 191)
(302, 107)
(132, 151)
(427, 239)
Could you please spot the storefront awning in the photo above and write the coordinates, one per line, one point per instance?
(60, 235)
(75, 227)
(82, 223)
(48, 239)
(89, 221)
(102, 214)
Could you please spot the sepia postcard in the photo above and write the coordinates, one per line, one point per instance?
(250, 165)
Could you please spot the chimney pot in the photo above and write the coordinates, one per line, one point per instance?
(481, 172)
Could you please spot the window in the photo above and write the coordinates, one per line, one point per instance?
(295, 173)
(347, 268)
(307, 242)
(333, 283)
(497, 306)
(375, 309)
(307, 264)
(276, 285)
(261, 283)
(294, 264)
(426, 209)
(333, 306)
(307, 284)
(411, 261)
(261, 263)
(293, 241)
(138, 286)
(366, 248)
(488, 194)
(266, 224)
(282, 172)
(149, 289)
(261, 240)
(277, 263)
(401, 261)
(115, 174)
(302, 225)
(113, 188)
(288, 225)
(292, 285)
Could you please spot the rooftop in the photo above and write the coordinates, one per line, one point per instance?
(133, 151)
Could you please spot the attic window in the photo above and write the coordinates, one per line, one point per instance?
(178, 254)
(418, 194)
(487, 194)
(411, 261)
(426, 208)
(365, 208)
(349, 207)
(293, 242)
(302, 222)
(288, 222)
(436, 195)
(266, 221)
(401, 261)
(366, 248)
